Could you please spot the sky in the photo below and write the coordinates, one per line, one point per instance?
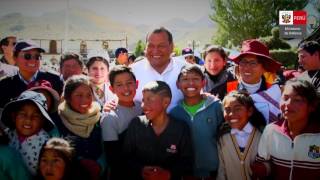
(132, 11)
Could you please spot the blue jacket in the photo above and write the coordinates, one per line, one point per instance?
(204, 127)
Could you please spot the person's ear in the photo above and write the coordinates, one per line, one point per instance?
(137, 84)
(166, 101)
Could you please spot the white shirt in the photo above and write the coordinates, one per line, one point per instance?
(145, 73)
(252, 88)
(7, 70)
(243, 135)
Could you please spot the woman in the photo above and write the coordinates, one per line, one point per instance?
(290, 148)
(80, 123)
(216, 71)
(98, 71)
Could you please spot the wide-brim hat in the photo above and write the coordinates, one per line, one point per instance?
(46, 85)
(37, 98)
(256, 47)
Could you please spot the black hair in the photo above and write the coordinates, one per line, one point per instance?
(4, 139)
(256, 119)
(119, 69)
(158, 87)
(99, 59)
(310, 46)
(191, 68)
(73, 83)
(162, 30)
(306, 90)
(64, 150)
(217, 49)
(133, 57)
(70, 55)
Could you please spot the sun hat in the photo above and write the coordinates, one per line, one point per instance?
(37, 98)
(256, 47)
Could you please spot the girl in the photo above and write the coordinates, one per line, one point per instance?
(56, 161)
(80, 117)
(29, 124)
(239, 136)
(98, 71)
(290, 148)
(217, 72)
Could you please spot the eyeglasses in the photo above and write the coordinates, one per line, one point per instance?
(30, 56)
(251, 64)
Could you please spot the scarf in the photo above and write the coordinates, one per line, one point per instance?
(80, 124)
(29, 148)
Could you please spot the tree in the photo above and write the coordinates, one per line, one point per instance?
(274, 41)
(139, 48)
(246, 19)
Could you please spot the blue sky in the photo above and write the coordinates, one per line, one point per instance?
(132, 11)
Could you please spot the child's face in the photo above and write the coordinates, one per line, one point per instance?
(52, 166)
(190, 84)
(98, 72)
(154, 105)
(81, 99)
(124, 87)
(214, 63)
(236, 114)
(294, 108)
(28, 120)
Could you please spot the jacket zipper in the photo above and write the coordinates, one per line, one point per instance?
(291, 168)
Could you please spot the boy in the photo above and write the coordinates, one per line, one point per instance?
(123, 84)
(157, 146)
(204, 116)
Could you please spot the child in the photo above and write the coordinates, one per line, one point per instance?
(29, 124)
(204, 116)
(239, 136)
(290, 147)
(114, 124)
(156, 145)
(56, 161)
(11, 167)
(80, 117)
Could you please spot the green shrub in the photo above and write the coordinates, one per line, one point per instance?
(287, 58)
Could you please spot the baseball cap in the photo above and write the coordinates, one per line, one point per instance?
(187, 52)
(119, 51)
(25, 45)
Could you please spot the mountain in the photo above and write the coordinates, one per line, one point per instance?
(88, 25)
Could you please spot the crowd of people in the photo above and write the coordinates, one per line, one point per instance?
(159, 118)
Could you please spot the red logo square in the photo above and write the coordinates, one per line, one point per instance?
(299, 17)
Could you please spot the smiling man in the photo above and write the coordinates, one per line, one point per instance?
(158, 65)
(27, 55)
